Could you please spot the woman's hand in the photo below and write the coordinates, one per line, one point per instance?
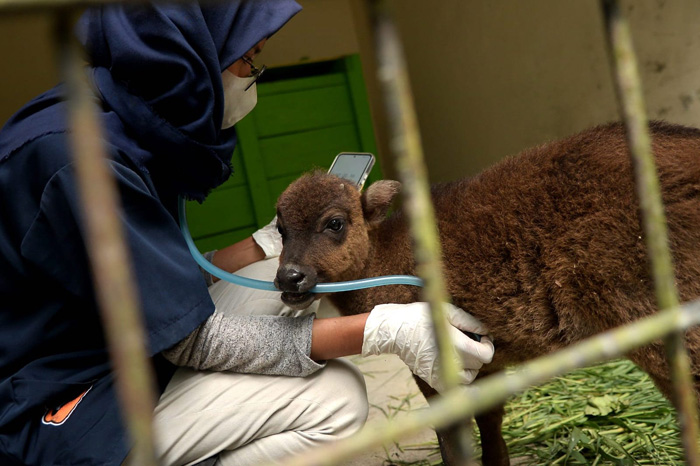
(407, 331)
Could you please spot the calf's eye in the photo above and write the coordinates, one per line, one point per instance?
(335, 224)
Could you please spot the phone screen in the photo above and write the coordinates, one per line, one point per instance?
(352, 166)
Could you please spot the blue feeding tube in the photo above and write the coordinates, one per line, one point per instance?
(270, 286)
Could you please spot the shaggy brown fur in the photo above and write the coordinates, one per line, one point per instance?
(545, 248)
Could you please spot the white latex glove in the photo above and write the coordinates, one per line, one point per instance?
(406, 330)
(269, 239)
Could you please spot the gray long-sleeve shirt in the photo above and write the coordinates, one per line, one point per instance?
(270, 345)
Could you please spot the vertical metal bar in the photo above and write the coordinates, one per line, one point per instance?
(107, 251)
(631, 102)
(406, 146)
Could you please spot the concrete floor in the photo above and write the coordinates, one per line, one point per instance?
(392, 393)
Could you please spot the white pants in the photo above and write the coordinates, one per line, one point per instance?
(254, 419)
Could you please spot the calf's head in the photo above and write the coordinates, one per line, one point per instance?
(325, 224)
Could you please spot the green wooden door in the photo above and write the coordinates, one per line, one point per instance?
(305, 116)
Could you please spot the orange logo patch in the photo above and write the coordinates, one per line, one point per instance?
(59, 415)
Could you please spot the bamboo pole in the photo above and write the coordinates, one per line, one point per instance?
(107, 251)
(406, 147)
(628, 85)
(489, 392)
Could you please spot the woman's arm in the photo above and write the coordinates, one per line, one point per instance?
(337, 336)
(237, 256)
(268, 344)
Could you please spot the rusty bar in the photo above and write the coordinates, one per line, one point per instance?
(114, 285)
(57, 6)
(21, 6)
(406, 147)
(34, 6)
(629, 92)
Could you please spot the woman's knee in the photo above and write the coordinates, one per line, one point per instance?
(345, 390)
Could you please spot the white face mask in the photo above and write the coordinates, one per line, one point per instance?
(237, 101)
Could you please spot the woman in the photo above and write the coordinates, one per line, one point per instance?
(172, 81)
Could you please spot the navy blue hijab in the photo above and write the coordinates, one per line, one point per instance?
(157, 70)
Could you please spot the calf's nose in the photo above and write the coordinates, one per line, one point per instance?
(292, 277)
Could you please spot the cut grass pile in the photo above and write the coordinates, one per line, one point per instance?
(606, 414)
(609, 414)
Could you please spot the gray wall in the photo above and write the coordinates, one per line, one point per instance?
(491, 78)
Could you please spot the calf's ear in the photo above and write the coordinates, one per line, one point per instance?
(376, 200)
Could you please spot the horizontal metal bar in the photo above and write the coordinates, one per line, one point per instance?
(483, 395)
(22, 6)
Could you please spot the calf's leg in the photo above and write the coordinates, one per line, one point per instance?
(493, 446)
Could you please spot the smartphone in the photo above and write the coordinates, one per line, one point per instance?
(353, 166)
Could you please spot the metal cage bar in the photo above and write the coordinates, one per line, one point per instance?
(109, 257)
(629, 93)
(405, 143)
(493, 390)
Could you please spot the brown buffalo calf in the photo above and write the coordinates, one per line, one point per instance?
(545, 248)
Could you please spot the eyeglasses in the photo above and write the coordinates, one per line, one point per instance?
(255, 72)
